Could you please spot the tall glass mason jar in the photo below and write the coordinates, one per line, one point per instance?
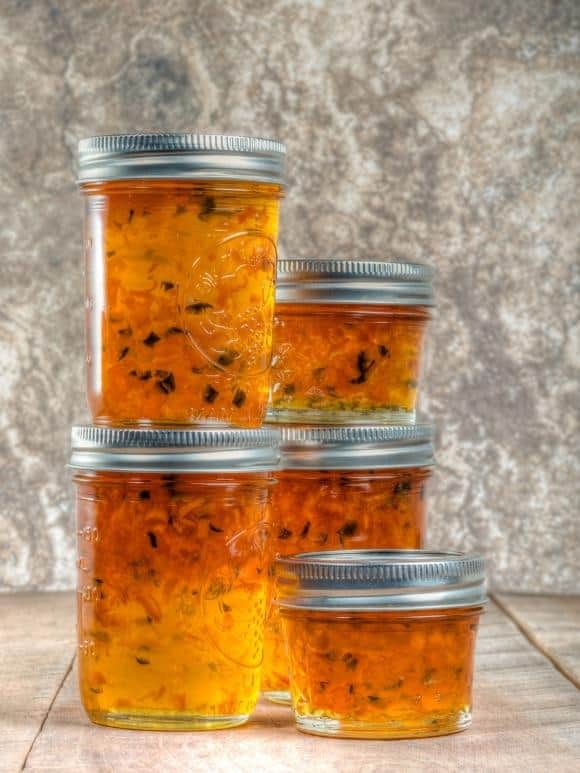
(172, 573)
(381, 643)
(342, 488)
(348, 340)
(180, 235)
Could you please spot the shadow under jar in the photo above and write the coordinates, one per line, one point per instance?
(348, 340)
(343, 488)
(172, 574)
(381, 643)
(180, 234)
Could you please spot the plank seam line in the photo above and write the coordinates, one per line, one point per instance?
(49, 709)
(536, 644)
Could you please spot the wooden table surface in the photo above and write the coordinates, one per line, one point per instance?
(526, 712)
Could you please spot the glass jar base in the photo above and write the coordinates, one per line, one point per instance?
(165, 721)
(278, 696)
(433, 726)
(362, 417)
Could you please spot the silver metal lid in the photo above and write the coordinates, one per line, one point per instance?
(373, 281)
(182, 155)
(173, 450)
(368, 580)
(356, 447)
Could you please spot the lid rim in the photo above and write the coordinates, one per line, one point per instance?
(373, 579)
(175, 155)
(173, 450)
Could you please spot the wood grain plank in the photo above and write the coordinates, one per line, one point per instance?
(527, 717)
(37, 643)
(552, 623)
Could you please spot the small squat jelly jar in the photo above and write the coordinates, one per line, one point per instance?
(348, 340)
(381, 643)
(344, 488)
(172, 574)
(180, 234)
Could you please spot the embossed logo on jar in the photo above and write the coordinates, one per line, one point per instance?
(226, 303)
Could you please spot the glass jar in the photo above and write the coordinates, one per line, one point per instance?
(343, 488)
(348, 340)
(381, 643)
(172, 574)
(180, 234)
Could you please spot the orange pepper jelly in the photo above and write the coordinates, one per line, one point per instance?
(348, 338)
(172, 574)
(343, 488)
(381, 643)
(180, 235)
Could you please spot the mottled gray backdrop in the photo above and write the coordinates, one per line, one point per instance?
(437, 130)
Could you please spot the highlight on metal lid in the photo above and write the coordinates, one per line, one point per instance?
(356, 447)
(169, 155)
(370, 280)
(174, 450)
(370, 580)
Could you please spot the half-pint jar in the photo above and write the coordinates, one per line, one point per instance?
(342, 488)
(348, 340)
(180, 234)
(172, 573)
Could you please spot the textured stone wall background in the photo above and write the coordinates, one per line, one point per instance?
(438, 130)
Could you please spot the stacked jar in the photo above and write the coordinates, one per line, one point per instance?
(359, 636)
(208, 569)
(173, 480)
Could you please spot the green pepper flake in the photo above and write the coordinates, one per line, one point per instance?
(239, 398)
(215, 529)
(144, 494)
(144, 375)
(125, 331)
(350, 661)
(284, 533)
(384, 351)
(305, 529)
(351, 689)
(318, 373)
(167, 384)
(226, 607)
(151, 339)
(124, 352)
(207, 207)
(152, 539)
(197, 307)
(364, 367)
(373, 698)
(173, 331)
(226, 358)
(289, 389)
(149, 619)
(98, 581)
(411, 383)
(402, 487)
(131, 215)
(323, 685)
(210, 394)
(142, 661)
(97, 690)
(347, 530)
(110, 253)
(180, 210)
(167, 285)
(196, 370)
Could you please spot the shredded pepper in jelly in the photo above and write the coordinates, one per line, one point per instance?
(335, 358)
(172, 591)
(382, 674)
(336, 509)
(180, 300)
